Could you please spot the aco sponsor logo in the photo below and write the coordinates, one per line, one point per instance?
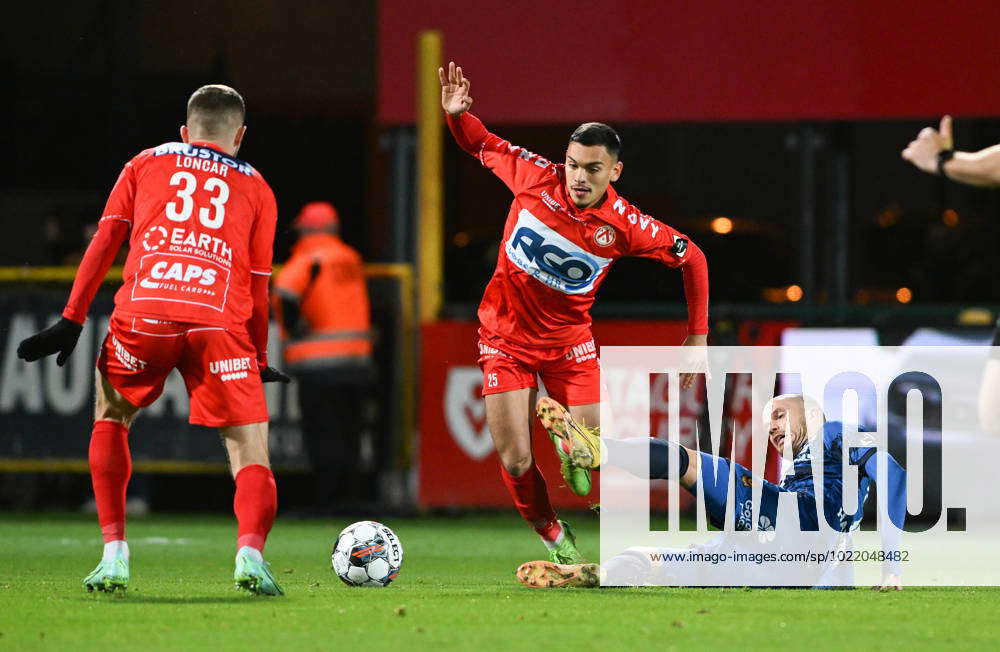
(551, 258)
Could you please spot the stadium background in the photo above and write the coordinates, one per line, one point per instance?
(768, 133)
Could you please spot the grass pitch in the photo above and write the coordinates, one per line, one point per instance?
(456, 591)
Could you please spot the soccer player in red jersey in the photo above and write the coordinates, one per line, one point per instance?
(565, 227)
(200, 226)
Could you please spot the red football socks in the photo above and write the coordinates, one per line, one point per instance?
(531, 497)
(110, 470)
(255, 504)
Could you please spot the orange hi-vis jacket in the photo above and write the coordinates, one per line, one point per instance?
(334, 303)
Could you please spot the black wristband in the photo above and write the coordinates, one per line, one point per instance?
(943, 157)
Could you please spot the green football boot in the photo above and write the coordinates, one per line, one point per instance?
(578, 447)
(565, 551)
(578, 480)
(253, 575)
(110, 575)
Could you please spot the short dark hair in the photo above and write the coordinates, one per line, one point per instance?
(215, 108)
(598, 133)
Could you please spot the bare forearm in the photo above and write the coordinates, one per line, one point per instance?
(980, 168)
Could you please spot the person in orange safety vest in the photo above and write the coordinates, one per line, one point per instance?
(322, 305)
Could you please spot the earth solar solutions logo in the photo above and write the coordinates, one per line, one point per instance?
(857, 465)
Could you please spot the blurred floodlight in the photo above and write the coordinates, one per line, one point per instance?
(722, 225)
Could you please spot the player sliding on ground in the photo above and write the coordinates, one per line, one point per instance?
(565, 227)
(200, 226)
(795, 426)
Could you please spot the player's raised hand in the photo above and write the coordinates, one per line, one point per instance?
(60, 337)
(455, 98)
(697, 359)
(923, 151)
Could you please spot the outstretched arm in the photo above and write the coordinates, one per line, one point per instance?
(980, 168)
(674, 249)
(695, 270)
(112, 229)
(97, 260)
(516, 166)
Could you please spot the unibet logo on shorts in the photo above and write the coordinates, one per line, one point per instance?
(230, 368)
(126, 357)
(552, 259)
(583, 352)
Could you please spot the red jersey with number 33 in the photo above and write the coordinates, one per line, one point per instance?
(201, 222)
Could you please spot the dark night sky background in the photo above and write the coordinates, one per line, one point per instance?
(89, 84)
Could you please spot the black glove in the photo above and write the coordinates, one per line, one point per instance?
(272, 375)
(60, 337)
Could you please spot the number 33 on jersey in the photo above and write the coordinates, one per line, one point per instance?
(201, 223)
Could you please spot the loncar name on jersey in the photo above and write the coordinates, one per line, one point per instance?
(538, 250)
(203, 158)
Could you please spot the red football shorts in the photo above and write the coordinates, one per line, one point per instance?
(571, 374)
(219, 368)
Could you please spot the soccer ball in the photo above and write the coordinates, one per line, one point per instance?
(367, 554)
